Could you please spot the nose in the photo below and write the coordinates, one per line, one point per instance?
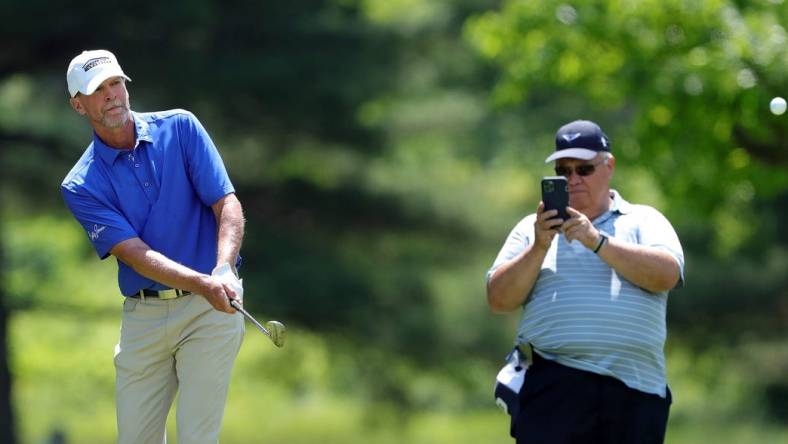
(109, 93)
(573, 177)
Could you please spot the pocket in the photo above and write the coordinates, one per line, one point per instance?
(129, 305)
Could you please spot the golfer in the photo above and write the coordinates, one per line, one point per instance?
(151, 190)
(593, 292)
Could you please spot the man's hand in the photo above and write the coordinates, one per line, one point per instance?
(510, 285)
(218, 294)
(227, 275)
(580, 228)
(546, 226)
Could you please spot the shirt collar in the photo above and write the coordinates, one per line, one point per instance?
(109, 154)
(143, 129)
(620, 206)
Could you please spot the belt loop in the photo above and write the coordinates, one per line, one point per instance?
(142, 295)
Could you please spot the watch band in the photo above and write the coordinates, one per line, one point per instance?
(602, 240)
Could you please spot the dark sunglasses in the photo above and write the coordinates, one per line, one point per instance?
(584, 170)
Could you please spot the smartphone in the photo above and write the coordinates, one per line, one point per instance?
(555, 195)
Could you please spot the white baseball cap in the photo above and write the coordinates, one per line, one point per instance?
(87, 70)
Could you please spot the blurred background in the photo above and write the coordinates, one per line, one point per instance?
(383, 149)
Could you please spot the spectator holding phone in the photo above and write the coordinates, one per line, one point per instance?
(594, 292)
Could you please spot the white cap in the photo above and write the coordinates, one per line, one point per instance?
(87, 70)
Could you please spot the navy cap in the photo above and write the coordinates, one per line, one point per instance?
(581, 139)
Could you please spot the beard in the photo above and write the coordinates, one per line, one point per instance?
(110, 116)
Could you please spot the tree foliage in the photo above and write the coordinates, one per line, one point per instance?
(382, 149)
(684, 87)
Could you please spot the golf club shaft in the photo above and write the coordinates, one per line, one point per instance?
(246, 314)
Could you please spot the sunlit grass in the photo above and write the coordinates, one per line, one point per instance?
(745, 432)
(64, 380)
(62, 333)
(63, 376)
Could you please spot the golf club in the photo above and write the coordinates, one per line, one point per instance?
(275, 330)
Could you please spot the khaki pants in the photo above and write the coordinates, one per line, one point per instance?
(167, 346)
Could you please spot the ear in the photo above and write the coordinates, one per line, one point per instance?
(76, 104)
(611, 163)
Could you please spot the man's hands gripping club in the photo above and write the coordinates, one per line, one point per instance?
(275, 330)
(222, 286)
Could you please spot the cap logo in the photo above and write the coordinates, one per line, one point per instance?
(571, 137)
(92, 63)
(604, 142)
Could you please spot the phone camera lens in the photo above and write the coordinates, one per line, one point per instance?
(549, 187)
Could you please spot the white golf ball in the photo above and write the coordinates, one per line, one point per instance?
(777, 105)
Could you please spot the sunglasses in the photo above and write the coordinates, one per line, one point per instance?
(584, 170)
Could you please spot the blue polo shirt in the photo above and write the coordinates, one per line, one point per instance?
(161, 191)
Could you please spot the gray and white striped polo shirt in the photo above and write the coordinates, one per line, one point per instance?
(582, 314)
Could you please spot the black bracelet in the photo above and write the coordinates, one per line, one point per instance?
(602, 240)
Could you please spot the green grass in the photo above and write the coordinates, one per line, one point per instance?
(746, 432)
(63, 376)
(64, 379)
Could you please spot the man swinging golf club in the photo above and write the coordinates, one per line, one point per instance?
(152, 190)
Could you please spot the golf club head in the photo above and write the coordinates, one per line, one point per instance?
(277, 332)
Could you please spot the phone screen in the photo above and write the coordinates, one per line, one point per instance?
(555, 195)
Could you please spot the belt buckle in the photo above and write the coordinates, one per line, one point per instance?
(168, 294)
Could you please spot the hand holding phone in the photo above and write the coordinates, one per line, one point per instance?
(555, 195)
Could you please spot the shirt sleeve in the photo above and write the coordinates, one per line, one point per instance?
(518, 239)
(206, 168)
(104, 225)
(656, 231)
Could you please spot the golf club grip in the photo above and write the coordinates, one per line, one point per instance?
(234, 303)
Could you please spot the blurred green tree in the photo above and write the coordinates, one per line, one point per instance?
(378, 172)
(683, 86)
(285, 89)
